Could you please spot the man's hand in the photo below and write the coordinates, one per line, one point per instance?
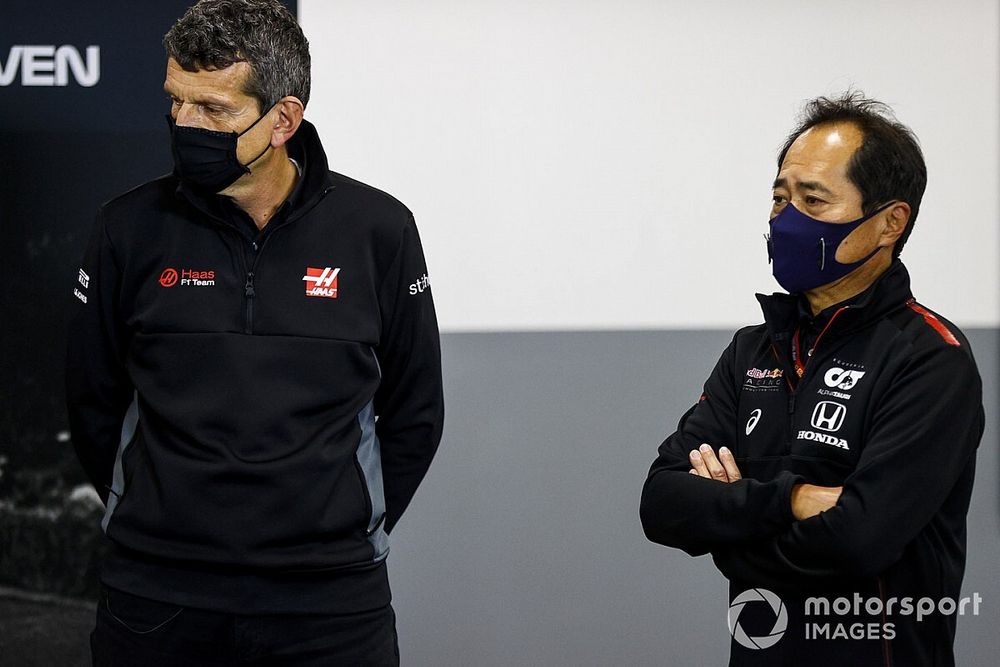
(705, 463)
(808, 500)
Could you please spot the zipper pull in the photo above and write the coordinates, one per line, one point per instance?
(248, 288)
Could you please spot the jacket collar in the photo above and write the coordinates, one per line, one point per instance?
(307, 150)
(889, 292)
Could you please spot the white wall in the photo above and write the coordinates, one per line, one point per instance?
(599, 165)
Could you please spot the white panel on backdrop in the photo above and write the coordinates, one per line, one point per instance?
(605, 165)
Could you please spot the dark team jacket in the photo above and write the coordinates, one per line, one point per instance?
(890, 407)
(224, 386)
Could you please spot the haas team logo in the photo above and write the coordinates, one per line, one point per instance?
(321, 282)
(186, 278)
(169, 277)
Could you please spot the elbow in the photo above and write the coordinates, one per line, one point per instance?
(653, 517)
(663, 526)
(650, 524)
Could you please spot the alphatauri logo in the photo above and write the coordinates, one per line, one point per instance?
(838, 378)
(322, 282)
(50, 65)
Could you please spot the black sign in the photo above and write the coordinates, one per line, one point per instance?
(81, 120)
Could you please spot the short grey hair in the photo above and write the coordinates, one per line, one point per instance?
(214, 34)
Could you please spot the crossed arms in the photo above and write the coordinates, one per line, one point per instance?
(807, 500)
(785, 532)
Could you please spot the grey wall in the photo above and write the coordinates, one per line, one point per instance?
(523, 546)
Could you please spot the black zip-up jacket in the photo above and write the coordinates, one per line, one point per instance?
(890, 407)
(224, 386)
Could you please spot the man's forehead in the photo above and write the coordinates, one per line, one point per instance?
(823, 150)
(832, 136)
(228, 82)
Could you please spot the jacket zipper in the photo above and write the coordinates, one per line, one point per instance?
(796, 361)
(791, 414)
(799, 367)
(791, 390)
(248, 292)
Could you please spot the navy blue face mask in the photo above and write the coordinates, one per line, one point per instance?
(802, 250)
(206, 159)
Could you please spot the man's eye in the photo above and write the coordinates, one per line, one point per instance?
(777, 199)
(811, 201)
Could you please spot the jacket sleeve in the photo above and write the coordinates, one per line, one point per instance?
(695, 514)
(922, 438)
(98, 389)
(409, 403)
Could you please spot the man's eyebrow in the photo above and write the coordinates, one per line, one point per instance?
(813, 186)
(204, 99)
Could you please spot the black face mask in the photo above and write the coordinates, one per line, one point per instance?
(206, 159)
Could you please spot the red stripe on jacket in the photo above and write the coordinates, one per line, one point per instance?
(934, 323)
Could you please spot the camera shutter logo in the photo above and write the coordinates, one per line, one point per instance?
(829, 416)
(780, 618)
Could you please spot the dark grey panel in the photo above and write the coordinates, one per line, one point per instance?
(523, 546)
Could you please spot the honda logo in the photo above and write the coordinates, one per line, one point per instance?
(829, 416)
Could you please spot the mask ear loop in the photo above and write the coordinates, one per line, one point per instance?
(252, 125)
(767, 239)
(822, 254)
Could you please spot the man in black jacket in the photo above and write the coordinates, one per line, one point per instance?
(829, 464)
(254, 376)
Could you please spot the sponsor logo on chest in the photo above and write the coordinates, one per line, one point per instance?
(763, 380)
(826, 416)
(840, 379)
(171, 277)
(322, 282)
(753, 421)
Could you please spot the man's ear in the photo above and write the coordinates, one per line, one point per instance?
(896, 217)
(287, 120)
